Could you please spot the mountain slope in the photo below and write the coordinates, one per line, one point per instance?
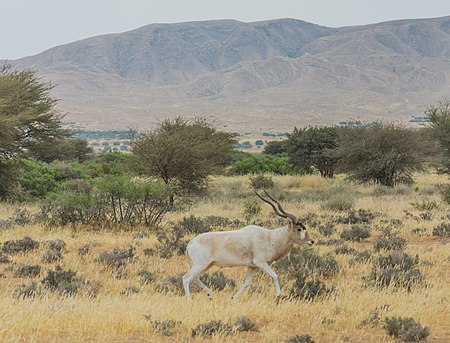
(272, 74)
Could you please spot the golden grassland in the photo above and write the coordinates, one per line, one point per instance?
(111, 316)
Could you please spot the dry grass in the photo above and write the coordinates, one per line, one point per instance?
(113, 317)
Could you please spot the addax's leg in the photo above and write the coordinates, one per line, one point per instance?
(264, 266)
(204, 287)
(193, 274)
(247, 280)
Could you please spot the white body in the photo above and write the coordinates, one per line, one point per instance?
(252, 246)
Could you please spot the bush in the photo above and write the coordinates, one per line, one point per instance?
(327, 230)
(389, 242)
(217, 281)
(174, 284)
(5, 224)
(147, 277)
(165, 327)
(398, 269)
(244, 323)
(4, 258)
(308, 290)
(56, 245)
(25, 244)
(215, 327)
(442, 230)
(389, 155)
(361, 257)
(171, 242)
(301, 262)
(357, 217)
(116, 258)
(52, 256)
(357, 233)
(405, 328)
(300, 339)
(193, 224)
(21, 217)
(261, 181)
(339, 202)
(445, 192)
(27, 270)
(62, 281)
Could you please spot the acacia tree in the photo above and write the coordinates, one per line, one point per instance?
(384, 153)
(28, 116)
(314, 147)
(27, 112)
(440, 129)
(184, 152)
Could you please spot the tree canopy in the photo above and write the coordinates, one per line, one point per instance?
(27, 112)
(314, 147)
(184, 152)
(385, 153)
(440, 128)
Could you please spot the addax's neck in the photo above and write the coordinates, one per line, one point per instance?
(283, 243)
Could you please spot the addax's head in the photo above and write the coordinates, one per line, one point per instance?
(298, 230)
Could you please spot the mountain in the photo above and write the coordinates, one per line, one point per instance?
(269, 75)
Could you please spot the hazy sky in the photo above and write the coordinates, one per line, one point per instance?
(28, 27)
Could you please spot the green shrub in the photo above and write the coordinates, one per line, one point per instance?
(308, 290)
(300, 339)
(406, 329)
(357, 217)
(302, 261)
(398, 269)
(27, 270)
(25, 244)
(356, 233)
(193, 224)
(217, 281)
(442, 230)
(62, 281)
(261, 181)
(389, 242)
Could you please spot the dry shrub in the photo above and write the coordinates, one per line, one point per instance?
(406, 329)
(25, 244)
